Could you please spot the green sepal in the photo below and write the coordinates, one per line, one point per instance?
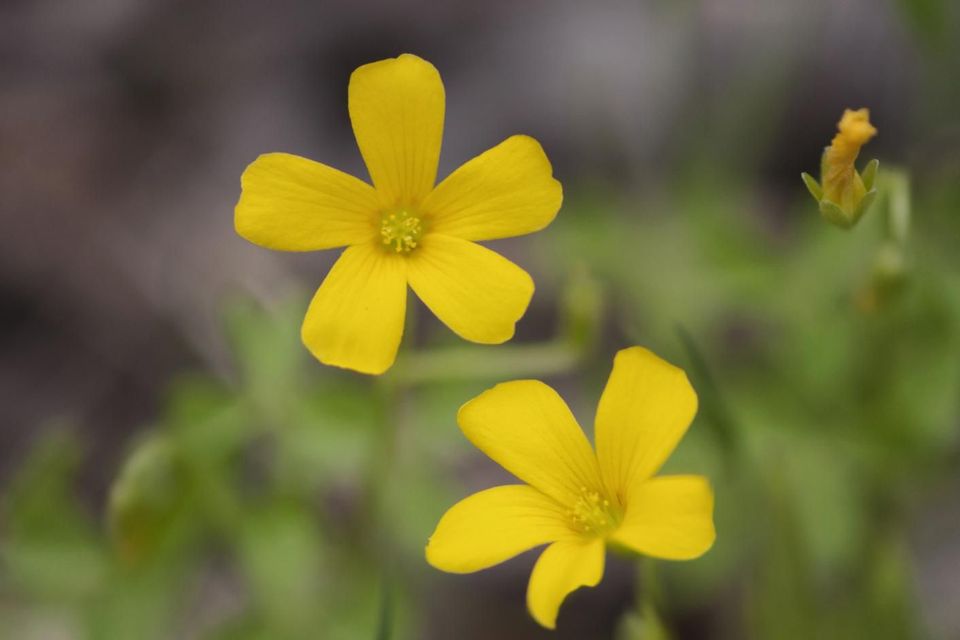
(812, 186)
(865, 203)
(869, 174)
(833, 214)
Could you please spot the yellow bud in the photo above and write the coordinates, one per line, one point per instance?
(844, 194)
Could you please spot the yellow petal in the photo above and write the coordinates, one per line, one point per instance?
(396, 107)
(295, 204)
(476, 292)
(506, 191)
(527, 429)
(669, 517)
(355, 320)
(494, 525)
(645, 409)
(563, 568)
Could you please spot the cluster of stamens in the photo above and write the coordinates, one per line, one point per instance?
(593, 513)
(400, 230)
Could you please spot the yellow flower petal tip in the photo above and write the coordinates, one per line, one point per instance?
(844, 194)
(404, 229)
(578, 499)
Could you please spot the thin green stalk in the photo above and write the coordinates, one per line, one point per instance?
(713, 405)
(649, 600)
(479, 362)
(580, 315)
(385, 619)
(390, 389)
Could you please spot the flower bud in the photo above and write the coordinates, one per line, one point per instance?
(844, 194)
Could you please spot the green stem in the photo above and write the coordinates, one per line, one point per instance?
(382, 461)
(580, 312)
(898, 206)
(478, 362)
(390, 388)
(713, 405)
(648, 588)
(649, 599)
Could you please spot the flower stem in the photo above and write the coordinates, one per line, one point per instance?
(649, 600)
(477, 362)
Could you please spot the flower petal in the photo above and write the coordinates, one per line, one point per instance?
(669, 517)
(295, 204)
(397, 107)
(355, 320)
(563, 568)
(476, 292)
(506, 191)
(645, 409)
(494, 525)
(526, 428)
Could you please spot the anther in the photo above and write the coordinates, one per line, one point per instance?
(400, 230)
(592, 513)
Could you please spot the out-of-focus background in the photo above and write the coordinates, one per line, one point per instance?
(173, 464)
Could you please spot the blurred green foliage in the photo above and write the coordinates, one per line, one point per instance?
(294, 501)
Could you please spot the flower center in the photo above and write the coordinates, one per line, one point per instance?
(593, 513)
(400, 230)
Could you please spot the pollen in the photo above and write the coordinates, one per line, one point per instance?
(593, 513)
(400, 230)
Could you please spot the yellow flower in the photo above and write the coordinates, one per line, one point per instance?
(403, 229)
(845, 194)
(575, 500)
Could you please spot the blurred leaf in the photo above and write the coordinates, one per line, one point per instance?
(50, 548)
(892, 610)
(139, 603)
(781, 600)
(41, 498)
(416, 497)
(53, 568)
(913, 371)
(281, 554)
(269, 353)
(828, 502)
(149, 499)
(329, 436)
(210, 425)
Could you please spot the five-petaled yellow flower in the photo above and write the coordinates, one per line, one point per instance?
(844, 194)
(403, 229)
(575, 500)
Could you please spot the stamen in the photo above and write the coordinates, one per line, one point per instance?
(593, 513)
(400, 230)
